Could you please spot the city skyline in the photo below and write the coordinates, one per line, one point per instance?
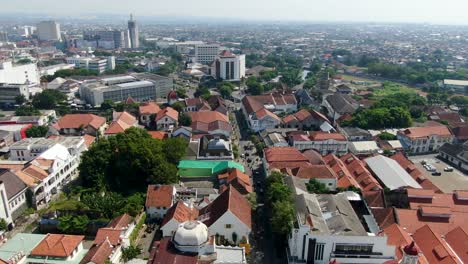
(398, 11)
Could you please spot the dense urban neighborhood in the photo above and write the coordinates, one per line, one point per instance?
(141, 142)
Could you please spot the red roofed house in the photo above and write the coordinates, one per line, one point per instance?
(402, 240)
(176, 215)
(419, 140)
(79, 124)
(167, 118)
(435, 249)
(323, 142)
(229, 213)
(121, 122)
(304, 119)
(284, 157)
(64, 247)
(146, 110)
(159, 198)
(236, 179)
(321, 173)
(210, 122)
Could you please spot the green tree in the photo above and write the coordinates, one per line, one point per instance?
(225, 91)
(181, 93)
(3, 225)
(185, 119)
(20, 99)
(314, 186)
(387, 136)
(25, 110)
(174, 149)
(278, 192)
(73, 224)
(108, 204)
(37, 131)
(107, 104)
(282, 217)
(178, 106)
(129, 253)
(48, 99)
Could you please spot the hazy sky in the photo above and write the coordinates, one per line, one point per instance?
(433, 11)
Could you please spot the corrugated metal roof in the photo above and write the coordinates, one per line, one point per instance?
(391, 173)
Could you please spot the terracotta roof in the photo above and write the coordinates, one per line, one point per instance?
(180, 212)
(54, 245)
(98, 254)
(289, 118)
(168, 111)
(88, 139)
(424, 132)
(411, 220)
(345, 178)
(208, 116)
(461, 132)
(190, 102)
(374, 198)
(159, 196)
(384, 216)
(149, 108)
(110, 234)
(238, 180)
(415, 173)
(158, 134)
(445, 200)
(313, 156)
(458, 241)
(80, 120)
(400, 239)
(122, 122)
(433, 247)
(320, 136)
(163, 252)
(358, 170)
(230, 200)
(260, 114)
(284, 154)
(120, 222)
(315, 172)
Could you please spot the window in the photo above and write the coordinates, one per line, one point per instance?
(319, 251)
(228, 226)
(353, 249)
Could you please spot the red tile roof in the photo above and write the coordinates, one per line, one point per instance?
(230, 200)
(149, 108)
(168, 111)
(458, 241)
(121, 222)
(158, 134)
(384, 216)
(163, 252)
(88, 139)
(159, 196)
(433, 247)
(110, 234)
(345, 178)
(424, 132)
(284, 154)
(180, 212)
(238, 180)
(98, 254)
(320, 136)
(54, 245)
(315, 172)
(122, 122)
(80, 120)
(358, 170)
(208, 116)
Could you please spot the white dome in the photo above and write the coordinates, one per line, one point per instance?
(218, 144)
(190, 234)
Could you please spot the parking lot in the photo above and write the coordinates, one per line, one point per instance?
(448, 181)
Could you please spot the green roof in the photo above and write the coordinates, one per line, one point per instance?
(20, 242)
(213, 165)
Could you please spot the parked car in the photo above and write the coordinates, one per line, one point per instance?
(448, 169)
(436, 173)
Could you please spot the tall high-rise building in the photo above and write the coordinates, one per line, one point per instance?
(206, 53)
(49, 31)
(228, 66)
(3, 37)
(107, 39)
(133, 33)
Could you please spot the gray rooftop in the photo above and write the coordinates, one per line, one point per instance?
(135, 84)
(391, 173)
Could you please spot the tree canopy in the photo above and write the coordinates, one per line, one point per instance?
(314, 186)
(26, 110)
(48, 99)
(37, 131)
(129, 161)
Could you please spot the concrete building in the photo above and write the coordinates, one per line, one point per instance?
(206, 53)
(228, 66)
(12, 196)
(420, 140)
(105, 39)
(133, 33)
(92, 63)
(141, 87)
(49, 31)
(3, 36)
(335, 227)
(458, 85)
(390, 173)
(9, 92)
(18, 74)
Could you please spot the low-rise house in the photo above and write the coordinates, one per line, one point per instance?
(274, 140)
(281, 158)
(259, 110)
(305, 120)
(323, 142)
(159, 198)
(121, 122)
(214, 148)
(183, 132)
(176, 215)
(363, 148)
(237, 179)
(227, 215)
(421, 140)
(338, 105)
(147, 111)
(12, 196)
(196, 104)
(321, 173)
(167, 119)
(210, 122)
(460, 132)
(195, 169)
(55, 247)
(390, 173)
(80, 124)
(455, 154)
(355, 134)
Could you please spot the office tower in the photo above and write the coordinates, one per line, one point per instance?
(228, 66)
(106, 39)
(48, 31)
(133, 33)
(206, 53)
(18, 73)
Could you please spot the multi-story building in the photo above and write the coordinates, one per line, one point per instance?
(336, 227)
(18, 74)
(96, 64)
(133, 33)
(105, 39)
(9, 92)
(458, 85)
(206, 53)
(3, 36)
(12, 196)
(141, 87)
(49, 31)
(228, 66)
(323, 142)
(419, 140)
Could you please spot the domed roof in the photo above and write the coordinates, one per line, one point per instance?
(411, 249)
(218, 144)
(191, 233)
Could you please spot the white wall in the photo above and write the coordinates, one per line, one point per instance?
(170, 227)
(237, 226)
(19, 74)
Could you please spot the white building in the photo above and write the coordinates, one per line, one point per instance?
(459, 85)
(19, 74)
(206, 53)
(159, 198)
(9, 92)
(12, 196)
(421, 140)
(363, 147)
(327, 228)
(323, 142)
(92, 63)
(228, 66)
(52, 69)
(49, 31)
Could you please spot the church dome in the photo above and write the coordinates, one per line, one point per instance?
(190, 234)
